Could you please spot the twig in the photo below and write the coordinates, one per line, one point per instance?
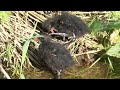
(88, 52)
(4, 72)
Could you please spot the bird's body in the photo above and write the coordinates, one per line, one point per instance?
(65, 23)
(54, 56)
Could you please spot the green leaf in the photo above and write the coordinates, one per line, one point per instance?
(96, 26)
(114, 50)
(113, 25)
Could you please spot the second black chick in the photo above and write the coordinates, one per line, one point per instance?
(66, 23)
(53, 56)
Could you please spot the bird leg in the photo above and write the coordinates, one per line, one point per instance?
(60, 34)
(57, 76)
(73, 37)
(64, 35)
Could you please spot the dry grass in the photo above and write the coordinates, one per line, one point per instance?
(18, 30)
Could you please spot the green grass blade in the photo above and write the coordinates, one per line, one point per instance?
(24, 50)
(25, 46)
(110, 64)
(96, 61)
(22, 76)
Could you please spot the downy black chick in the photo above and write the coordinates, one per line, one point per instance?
(51, 55)
(65, 23)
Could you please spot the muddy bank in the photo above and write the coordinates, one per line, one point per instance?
(99, 71)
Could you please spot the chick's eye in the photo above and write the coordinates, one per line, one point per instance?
(61, 22)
